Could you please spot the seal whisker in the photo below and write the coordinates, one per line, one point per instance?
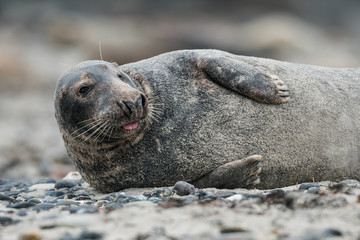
(102, 128)
(105, 131)
(92, 124)
(94, 132)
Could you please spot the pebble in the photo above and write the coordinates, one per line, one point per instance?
(42, 186)
(22, 205)
(54, 193)
(306, 186)
(22, 213)
(123, 197)
(159, 193)
(4, 197)
(66, 183)
(90, 235)
(31, 236)
(182, 188)
(5, 220)
(275, 196)
(62, 202)
(43, 207)
(83, 209)
(332, 232)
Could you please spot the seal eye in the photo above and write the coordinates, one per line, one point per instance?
(120, 76)
(84, 90)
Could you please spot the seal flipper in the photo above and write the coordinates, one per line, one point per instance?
(242, 173)
(244, 78)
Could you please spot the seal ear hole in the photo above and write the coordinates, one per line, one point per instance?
(120, 76)
(83, 90)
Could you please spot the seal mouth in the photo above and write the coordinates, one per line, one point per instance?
(130, 126)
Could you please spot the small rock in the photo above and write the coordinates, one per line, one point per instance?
(42, 186)
(236, 197)
(90, 235)
(22, 213)
(43, 207)
(174, 202)
(22, 205)
(5, 220)
(12, 193)
(159, 193)
(225, 193)
(306, 186)
(351, 183)
(4, 197)
(66, 183)
(126, 198)
(109, 207)
(275, 196)
(53, 193)
(331, 232)
(62, 202)
(30, 236)
(83, 209)
(73, 176)
(182, 188)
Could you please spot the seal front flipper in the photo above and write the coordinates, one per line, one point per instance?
(243, 78)
(243, 173)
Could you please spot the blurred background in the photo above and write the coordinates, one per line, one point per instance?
(41, 39)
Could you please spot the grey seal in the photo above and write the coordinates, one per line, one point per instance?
(207, 117)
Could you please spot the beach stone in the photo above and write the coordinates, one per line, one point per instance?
(225, 193)
(332, 232)
(22, 213)
(62, 202)
(351, 183)
(66, 183)
(4, 197)
(22, 205)
(42, 187)
(54, 193)
(123, 197)
(12, 193)
(182, 188)
(73, 176)
(306, 186)
(31, 236)
(159, 193)
(90, 235)
(5, 220)
(275, 196)
(83, 209)
(236, 197)
(43, 207)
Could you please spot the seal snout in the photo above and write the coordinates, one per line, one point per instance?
(134, 110)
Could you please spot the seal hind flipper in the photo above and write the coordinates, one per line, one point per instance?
(240, 173)
(244, 78)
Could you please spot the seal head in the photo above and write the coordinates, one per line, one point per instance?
(95, 101)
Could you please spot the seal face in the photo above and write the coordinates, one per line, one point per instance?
(204, 116)
(98, 102)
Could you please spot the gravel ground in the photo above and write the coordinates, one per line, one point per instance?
(70, 209)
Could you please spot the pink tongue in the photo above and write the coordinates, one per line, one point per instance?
(130, 126)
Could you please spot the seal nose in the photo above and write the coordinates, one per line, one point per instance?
(130, 108)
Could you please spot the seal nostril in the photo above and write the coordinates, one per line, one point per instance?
(141, 101)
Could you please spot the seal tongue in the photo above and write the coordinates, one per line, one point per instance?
(130, 126)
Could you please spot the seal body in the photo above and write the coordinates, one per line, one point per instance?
(197, 116)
